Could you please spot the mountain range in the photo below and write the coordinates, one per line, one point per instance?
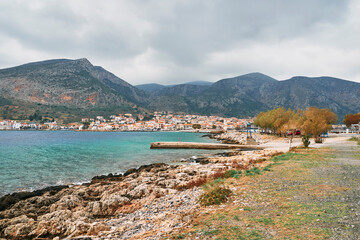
(70, 89)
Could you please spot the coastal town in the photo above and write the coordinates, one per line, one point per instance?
(159, 121)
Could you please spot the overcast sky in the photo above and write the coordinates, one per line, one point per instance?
(178, 41)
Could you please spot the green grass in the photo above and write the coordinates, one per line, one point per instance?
(215, 196)
(252, 171)
(213, 183)
(211, 232)
(355, 139)
(232, 173)
(266, 221)
(287, 156)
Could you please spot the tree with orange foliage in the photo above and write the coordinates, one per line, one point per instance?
(316, 121)
(278, 120)
(352, 119)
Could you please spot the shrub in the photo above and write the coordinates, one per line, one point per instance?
(267, 168)
(180, 236)
(218, 174)
(215, 196)
(355, 139)
(232, 173)
(252, 172)
(235, 164)
(305, 140)
(318, 139)
(191, 184)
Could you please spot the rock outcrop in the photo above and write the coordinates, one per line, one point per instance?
(148, 201)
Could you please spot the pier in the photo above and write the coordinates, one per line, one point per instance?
(195, 145)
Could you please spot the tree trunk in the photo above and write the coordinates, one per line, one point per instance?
(318, 139)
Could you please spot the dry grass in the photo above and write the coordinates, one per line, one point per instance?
(217, 174)
(191, 184)
(286, 202)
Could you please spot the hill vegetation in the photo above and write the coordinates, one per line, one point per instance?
(70, 89)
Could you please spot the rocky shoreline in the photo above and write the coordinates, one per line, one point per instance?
(142, 203)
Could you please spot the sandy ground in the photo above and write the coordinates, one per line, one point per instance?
(283, 145)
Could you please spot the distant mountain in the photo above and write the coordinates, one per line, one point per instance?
(66, 86)
(249, 94)
(200, 83)
(150, 87)
(184, 90)
(341, 96)
(71, 89)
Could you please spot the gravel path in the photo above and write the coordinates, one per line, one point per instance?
(344, 171)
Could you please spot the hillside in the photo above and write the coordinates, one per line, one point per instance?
(65, 88)
(249, 94)
(71, 89)
(227, 97)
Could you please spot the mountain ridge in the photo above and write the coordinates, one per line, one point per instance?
(74, 87)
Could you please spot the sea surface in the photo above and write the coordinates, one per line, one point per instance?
(31, 160)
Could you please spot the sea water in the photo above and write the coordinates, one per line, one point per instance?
(32, 160)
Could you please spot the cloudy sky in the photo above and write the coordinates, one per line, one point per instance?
(186, 40)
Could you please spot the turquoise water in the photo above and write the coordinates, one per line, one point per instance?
(35, 159)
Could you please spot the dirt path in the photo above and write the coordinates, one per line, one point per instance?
(344, 172)
(307, 194)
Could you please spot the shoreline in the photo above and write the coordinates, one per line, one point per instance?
(74, 130)
(112, 206)
(34, 190)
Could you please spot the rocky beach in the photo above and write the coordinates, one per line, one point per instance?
(144, 203)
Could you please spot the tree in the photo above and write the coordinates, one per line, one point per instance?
(278, 120)
(316, 121)
(35, 117)
(352, 119)
(85, 125)
(196, 126)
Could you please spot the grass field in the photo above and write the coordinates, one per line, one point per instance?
(304, 194)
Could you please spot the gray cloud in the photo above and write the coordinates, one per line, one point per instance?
(178, 41)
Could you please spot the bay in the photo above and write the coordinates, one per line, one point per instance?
(32, 160)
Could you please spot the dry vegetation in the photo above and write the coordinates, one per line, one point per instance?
(289, 199)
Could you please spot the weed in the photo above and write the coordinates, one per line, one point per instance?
(180, 236)
(254, 234)
(236, 218)
(232, 173)
(266, 221)
(218, 174)
(235, 164)
(191, 184)
(213, 183)
(215, 196)
(267, 168)
(211, 232)
(305, 140)
(286, 157)
(220, 217)
(354, 139)
(252, 171)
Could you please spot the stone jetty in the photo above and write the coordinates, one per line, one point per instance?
(195, 145)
